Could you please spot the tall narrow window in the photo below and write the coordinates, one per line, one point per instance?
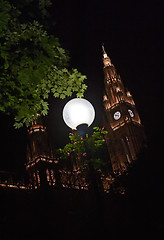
(38, 177)
(125, 150)
(48, 175)
(52, 176)
(129, 148)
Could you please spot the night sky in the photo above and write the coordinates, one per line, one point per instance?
(131, 33)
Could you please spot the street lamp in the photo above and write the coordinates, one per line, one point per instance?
(78, 114)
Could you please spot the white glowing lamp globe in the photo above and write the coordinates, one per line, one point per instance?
(78, 111)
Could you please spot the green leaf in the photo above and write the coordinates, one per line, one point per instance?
(56, 94)
(44, 112)
(62, 96)
(79, 95)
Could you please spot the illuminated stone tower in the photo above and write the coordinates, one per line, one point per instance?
(126, 134)
(41, 162)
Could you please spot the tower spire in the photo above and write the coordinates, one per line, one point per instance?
(106, 59)
(103, 49)
(125, 139)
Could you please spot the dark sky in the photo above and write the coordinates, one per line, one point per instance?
(132, 34)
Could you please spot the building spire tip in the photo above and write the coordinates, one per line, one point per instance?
(103, 49)
(106, 59)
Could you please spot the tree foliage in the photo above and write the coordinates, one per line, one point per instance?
(33, 65)
(90, 149)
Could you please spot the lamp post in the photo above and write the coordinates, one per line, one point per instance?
(79, 114)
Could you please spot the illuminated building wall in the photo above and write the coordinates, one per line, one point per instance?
(41, 160)
(126, 134)
(46, 169)
(43, 165)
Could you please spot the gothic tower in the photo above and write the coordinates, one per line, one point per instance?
(126, 136)
(41, 162)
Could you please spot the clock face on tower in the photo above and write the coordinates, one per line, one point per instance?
(131, 113)
(117, 115)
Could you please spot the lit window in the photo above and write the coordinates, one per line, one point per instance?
(52, 175)
(105, 97)
(128, 94)
(117, 89)
(48, 175)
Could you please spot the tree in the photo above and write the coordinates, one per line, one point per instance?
(90, 149)
(33, 65)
